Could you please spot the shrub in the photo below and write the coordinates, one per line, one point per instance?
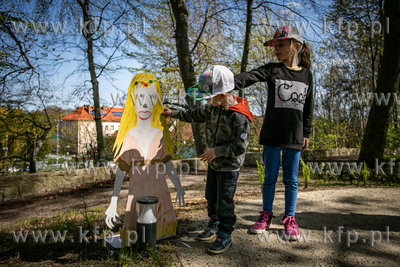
(306, 172)
(365, 173)
(260, 169)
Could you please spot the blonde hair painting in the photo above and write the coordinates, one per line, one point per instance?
(129, 118)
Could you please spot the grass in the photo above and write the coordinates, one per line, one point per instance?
(331, 180)
(196, 187)
(387, 158)
(367, 177)
(322, 183)
(74, 253)
(388, 181)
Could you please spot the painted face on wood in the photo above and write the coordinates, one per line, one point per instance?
(144, 138)
(145, 100)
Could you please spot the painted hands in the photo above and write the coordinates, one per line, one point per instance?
(173, 175)
(111, 213)
(180, 195)
(208, 155)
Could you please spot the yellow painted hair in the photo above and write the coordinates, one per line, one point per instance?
(129, 118)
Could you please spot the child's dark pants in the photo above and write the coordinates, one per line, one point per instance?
(220, 190)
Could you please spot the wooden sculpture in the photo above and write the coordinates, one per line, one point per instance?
(143, 149)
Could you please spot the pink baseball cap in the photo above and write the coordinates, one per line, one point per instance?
(287, 32)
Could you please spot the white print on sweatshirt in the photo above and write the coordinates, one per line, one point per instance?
(290, 94)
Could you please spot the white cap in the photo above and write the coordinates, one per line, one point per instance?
(213, 81)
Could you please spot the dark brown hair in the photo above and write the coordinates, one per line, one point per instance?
(304, 57)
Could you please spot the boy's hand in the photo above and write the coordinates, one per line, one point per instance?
(167, 112)
(208, 155)
(305, 144)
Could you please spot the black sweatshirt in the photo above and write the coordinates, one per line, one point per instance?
(290, 103)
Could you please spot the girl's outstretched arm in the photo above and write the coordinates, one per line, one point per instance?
(246, 79)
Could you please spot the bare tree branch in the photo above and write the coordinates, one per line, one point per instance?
(202, 28)
(110, 57)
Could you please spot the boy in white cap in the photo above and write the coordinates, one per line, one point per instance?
(227, 131)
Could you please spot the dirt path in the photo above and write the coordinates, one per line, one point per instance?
(358, 210)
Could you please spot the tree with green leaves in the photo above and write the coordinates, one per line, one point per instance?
(379, 118)
(185, 38)
(104, 29)
(25, 123)
(351, 58)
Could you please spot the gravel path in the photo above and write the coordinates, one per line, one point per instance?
(357, 210)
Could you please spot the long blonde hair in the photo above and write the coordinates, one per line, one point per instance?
(129, 118)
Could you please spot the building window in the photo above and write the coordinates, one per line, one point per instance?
(106, 128)
(117, 113)
(101, 113)
(112, 128)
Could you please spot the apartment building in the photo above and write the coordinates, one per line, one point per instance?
(78, 128)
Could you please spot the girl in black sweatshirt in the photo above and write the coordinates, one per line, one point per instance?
(287, 121)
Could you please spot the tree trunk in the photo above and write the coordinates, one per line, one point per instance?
(32, 159)
(36, 147)
(186, 66)
(95, 84)
(374, 141)
(247, 39)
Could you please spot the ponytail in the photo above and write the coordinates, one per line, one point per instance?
(304, 57)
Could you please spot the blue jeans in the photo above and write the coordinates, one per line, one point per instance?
(290, 166)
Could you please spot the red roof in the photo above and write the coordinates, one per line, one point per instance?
(115, 134)
(83, 113)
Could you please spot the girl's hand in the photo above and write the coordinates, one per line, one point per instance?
(208, 155)
(305, 144)
(167, 112)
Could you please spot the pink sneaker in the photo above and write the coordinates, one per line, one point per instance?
(263, 222)
(291, 228)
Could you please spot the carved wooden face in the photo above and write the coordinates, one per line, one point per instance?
(146, 98)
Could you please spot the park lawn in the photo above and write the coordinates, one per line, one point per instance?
(388, 157)
(74, 253)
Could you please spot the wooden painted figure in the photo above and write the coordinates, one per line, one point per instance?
(143, 148)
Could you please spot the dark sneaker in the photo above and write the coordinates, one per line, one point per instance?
(221, 244)
(210, 232)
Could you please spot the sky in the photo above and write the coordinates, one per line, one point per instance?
(121, 81)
